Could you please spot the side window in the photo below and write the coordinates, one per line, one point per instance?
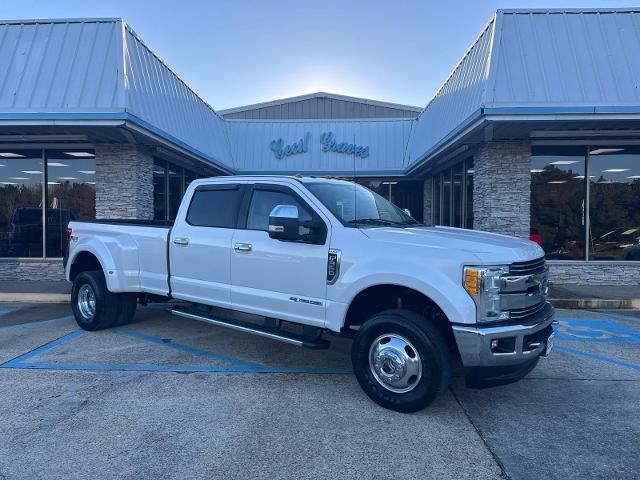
(263, 201)
(214, 208)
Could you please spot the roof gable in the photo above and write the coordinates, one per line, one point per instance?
(321, 105)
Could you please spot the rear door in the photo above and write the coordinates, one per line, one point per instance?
(276, 278)
(200, 245)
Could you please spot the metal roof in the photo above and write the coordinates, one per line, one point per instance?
(83, 71)
(386, 139)
(52, 66)
(530, 63)
(333, 96)
(167, 105)
(574, 64)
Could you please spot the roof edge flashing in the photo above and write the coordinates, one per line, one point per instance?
(526, 11)
(308, 96)
(35, 21)
(490, 24)
(130, 30)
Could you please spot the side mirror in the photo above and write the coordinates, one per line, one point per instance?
(284, 223)
(407, 211)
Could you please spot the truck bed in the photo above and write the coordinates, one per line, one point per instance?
(134, 253)
(129, 221)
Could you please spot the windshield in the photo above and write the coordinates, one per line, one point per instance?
(355, 205)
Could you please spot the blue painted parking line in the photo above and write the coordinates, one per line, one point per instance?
(174, 368)
(189, 349)
(595, 356)
(43, 348)
(235, 365)
(601, 331)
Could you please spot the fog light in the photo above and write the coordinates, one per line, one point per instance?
(503, 345)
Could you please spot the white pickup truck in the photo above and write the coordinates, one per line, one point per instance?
(306, 256)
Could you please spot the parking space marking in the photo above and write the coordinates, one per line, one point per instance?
(236, 365)
(186, 348)
(595, 356)
(42, 348)
(35, 323)
(601, 331)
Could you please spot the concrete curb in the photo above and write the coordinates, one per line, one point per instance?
(35, 298)
(596, 303)
(568, 303)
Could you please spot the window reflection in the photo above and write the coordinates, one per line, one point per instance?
(457, 172)
(21, 177)
(170, 181)
(159, 190)
(614, 209)
(175, 190)
(453, 196)
(557, 200)
(71, 194)
(469, 194)
(446, 197)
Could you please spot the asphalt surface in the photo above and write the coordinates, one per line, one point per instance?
(167, 397)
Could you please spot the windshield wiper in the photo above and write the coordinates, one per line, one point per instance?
(374, 221)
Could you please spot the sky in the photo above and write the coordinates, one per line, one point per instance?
(239, 52)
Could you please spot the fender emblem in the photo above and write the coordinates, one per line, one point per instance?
(333, 265)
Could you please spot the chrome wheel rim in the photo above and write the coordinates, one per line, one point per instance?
(87, 301)
(395, 363)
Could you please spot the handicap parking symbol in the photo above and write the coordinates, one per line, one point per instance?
(602, 331)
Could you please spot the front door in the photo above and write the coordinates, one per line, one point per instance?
(275, 278)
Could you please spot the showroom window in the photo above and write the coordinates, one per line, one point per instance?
(170, 181)
(453, 195)
(614, 203)
(557, 201)
(27, 229)
(595, 220)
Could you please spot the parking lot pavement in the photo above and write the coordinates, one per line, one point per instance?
(166, 397)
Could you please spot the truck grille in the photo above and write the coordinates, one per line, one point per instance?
(525, 295)
(519, 314)
(530, 267)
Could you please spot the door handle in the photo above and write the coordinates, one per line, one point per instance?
(181, 241)
(243, 247)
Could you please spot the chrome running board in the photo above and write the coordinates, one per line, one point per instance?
(260, 330)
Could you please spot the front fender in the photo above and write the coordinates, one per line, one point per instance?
(436, 283)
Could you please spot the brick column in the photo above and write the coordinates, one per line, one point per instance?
(502, 188)
(124, 182)
(428, 201)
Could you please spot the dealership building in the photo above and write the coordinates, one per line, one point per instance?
(535, 133)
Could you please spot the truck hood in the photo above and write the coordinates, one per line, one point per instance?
(489, 247)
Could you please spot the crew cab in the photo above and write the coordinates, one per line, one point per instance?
(309, 258)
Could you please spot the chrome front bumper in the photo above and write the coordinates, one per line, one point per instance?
(474, 343)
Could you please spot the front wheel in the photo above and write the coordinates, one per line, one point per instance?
(401, 360)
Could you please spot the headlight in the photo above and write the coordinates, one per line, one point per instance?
(483, 284)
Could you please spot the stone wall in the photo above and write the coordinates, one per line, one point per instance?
(502, 188)
(594, 273)
(31, 269)
(124, 182)
(428, 201)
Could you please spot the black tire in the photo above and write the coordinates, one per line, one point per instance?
(127, 303)
(430, 351)
(105, 309)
